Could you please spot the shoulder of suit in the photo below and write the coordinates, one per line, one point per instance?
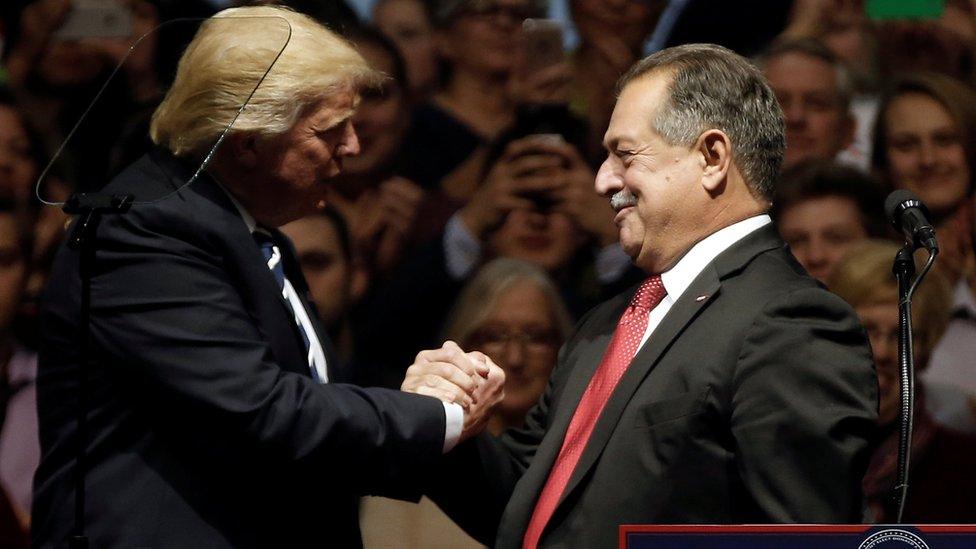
(165, 205)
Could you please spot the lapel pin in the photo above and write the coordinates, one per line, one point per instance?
(701, 298)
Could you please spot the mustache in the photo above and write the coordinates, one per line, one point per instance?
(622, 199)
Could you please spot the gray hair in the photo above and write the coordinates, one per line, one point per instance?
(814, 48)
(715, 88)
(482, 293)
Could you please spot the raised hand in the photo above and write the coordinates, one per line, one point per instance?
(520, 171)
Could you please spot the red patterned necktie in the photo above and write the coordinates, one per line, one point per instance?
(623, 347)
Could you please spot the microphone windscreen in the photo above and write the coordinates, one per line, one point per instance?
(895, 199)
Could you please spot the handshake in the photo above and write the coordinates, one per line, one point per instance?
(469, 379)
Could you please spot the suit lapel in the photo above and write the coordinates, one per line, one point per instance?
(293, 271)
(682, 313)
(255, 282)
(684, 310)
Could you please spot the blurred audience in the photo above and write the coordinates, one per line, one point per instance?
(925, 142)
(611, 36)
(942, 490)
(19, 152)
(511, 311)
(336, 279)
(21, 159)
(537, 204)
(19, 446)
(55, 80)
(380, 206)
(483, 81)
(408, 25)
(814, 89)
(822, 209)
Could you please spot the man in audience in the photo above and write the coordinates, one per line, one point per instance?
(336, 279)
(814, 90)
(822, 208)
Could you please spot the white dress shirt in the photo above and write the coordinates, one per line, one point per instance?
(677, 279)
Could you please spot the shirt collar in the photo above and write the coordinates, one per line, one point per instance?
(677, 279)
(252, 224)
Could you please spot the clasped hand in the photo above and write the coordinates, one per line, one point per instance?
(471, 380)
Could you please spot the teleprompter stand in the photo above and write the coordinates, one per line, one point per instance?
(89, 208)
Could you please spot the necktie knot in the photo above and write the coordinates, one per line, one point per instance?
(650, 293)
(271, 255)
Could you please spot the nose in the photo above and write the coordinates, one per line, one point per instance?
(794, 112)
(349, 146)
(926, 154)
(514, 355)
(607, 180)
(815, 257)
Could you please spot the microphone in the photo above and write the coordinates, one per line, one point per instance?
(907, 213)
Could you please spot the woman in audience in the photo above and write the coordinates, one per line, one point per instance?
(408, 25)
(942, 488)
(512, 312)
(482, 84)
(925, 142)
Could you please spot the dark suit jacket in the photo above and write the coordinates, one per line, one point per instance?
(206, 427)
(754, 404)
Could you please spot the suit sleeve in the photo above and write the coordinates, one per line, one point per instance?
(804, 409)
(172, 321)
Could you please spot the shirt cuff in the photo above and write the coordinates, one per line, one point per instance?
(454, 424)
(611, 263)
(462, 251)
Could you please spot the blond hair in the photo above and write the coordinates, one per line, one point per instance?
(863, 277)
(231, 54)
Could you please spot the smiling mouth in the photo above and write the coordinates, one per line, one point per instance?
(621, 213)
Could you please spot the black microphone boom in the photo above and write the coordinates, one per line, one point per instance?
(907, 213)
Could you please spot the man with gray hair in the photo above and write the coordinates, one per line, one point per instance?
(729, 387)
(217, 416)
(814, 90)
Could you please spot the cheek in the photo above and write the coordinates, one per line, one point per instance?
(956, 159)
(901, 164)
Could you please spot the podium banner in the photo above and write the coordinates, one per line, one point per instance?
(799, 536)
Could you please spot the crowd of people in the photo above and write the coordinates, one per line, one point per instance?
(469, 212)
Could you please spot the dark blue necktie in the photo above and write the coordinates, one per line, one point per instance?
(273, 258)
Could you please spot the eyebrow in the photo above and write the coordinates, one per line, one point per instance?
(616, 142)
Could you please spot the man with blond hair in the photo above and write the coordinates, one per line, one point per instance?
(216, 418)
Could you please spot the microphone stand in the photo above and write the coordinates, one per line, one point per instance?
(904, 270)
(89, 208)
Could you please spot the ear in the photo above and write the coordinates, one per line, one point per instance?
(243, 147)
(716, 150)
